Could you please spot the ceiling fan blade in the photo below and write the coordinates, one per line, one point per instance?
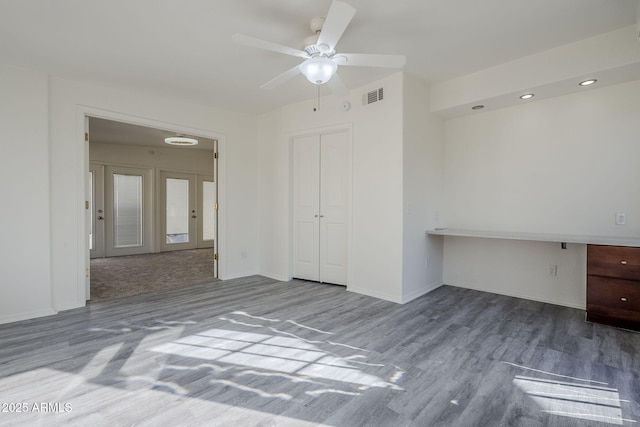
(338, 18)
(370, 60)
(282, 78)
(263, 44)
(337, 86)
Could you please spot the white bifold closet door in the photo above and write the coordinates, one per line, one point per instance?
(320, 202)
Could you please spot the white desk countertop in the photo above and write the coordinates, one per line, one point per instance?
(538, 237)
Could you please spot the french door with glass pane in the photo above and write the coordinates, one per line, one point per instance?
(128, 216)
(188, 216)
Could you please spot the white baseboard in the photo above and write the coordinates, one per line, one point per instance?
(522, 296)
(70, 306)
(418, 293)
(379, 295)
(17, 317)
(238, 275)
(276, 276)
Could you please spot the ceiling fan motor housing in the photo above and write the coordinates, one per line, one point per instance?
(318, 51)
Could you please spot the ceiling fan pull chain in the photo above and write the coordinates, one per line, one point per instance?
(317, 107)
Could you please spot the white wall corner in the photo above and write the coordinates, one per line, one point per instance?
(420, 292)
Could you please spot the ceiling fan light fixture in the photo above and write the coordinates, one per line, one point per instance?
(180, 141)
(318, 70)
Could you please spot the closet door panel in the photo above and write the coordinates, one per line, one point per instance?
(306, 205)
(334, 200)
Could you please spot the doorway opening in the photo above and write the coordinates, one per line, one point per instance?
(152, 210)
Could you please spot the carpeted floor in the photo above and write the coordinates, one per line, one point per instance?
(139, 274)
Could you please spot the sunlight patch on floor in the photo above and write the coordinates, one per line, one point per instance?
(98, 405)
(274, 353)
(574, 400)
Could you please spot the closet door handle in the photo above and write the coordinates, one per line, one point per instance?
(321, 216)
(315, 216)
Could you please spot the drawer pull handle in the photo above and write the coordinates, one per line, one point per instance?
(623, 299)
(623, 262)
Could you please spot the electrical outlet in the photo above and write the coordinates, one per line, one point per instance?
(621, 219)
(553, 270)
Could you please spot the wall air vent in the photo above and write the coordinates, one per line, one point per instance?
(373, 96)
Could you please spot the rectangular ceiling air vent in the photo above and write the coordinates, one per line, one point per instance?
(373, 96)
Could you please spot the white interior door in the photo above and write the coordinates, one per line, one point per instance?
(96, 210)
(306, 207)
(128, 216)
(320, 207)
(179, 215)
(334, 200)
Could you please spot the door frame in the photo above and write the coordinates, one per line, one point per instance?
(82, 160)
(291, 137)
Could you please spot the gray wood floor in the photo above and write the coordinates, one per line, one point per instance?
(257, 352)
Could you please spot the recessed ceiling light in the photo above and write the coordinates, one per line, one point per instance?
(588, 82)
(527, 96)
(477, 107)
(180, 140)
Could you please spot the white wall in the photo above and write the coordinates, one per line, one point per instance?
(273, 197)
(423, 156)
(563, 165)
(518, 268)
(238, 133)
(25, 266)
(376, 264)
(168, 159)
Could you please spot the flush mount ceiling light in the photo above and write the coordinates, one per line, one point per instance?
(318, 70)
(587, 82)
(527, 96)
(180, 140)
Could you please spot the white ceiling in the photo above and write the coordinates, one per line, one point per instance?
(111, 132)
(183, 48)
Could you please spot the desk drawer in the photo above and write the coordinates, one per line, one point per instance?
(613, 261)
(613, 299)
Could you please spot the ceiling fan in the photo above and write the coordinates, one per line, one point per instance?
(320, 58)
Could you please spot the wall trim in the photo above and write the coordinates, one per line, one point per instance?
(380, 295)
(275, 276)
(27, 315)
(420, 292)
(82, 159)
(521, 296)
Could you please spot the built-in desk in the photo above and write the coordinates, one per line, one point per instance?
(538, 237)
(613, 271)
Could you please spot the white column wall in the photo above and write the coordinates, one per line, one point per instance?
(375, 263)
(25, 266)
(423, 155)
